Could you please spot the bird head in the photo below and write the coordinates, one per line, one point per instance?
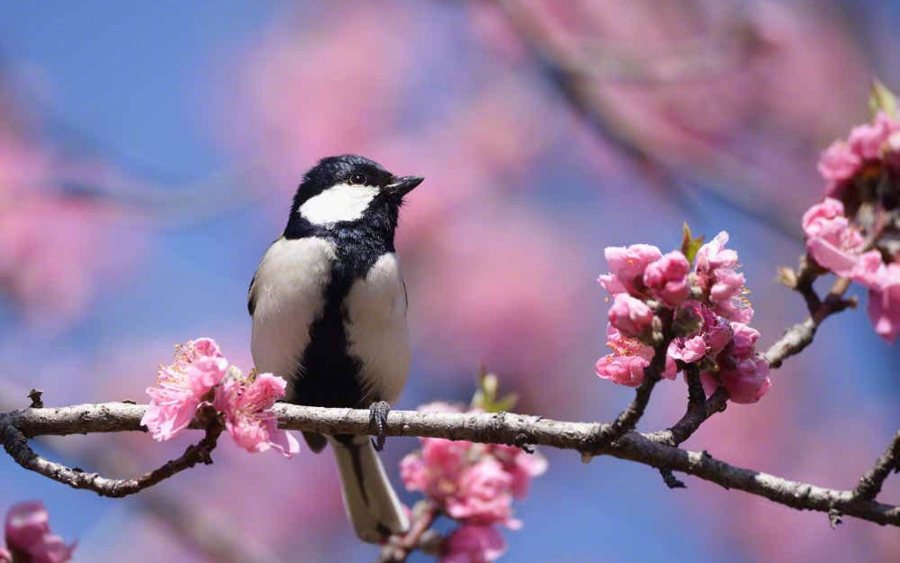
(343, 191)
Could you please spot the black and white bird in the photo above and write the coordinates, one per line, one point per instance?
(328, 304)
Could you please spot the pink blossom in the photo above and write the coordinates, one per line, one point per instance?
(866, 140)
(713, 255)
(688, 350)
(744, 339)
(717, 277)
(473, 544)
(893, 149)
(830, 239)
(667, 279)
(746, 380)
(624, 370)
(742, 372)
(611, 284)
(521, 466)
(28, 535)
(632, 317)
(248, 418)
(838, 164)
(630, 357)
(473, 483)
(484, 495)
(628, 264)
(717, 332)
(843, 159)
(435, 471)
(883, 281)
(198, 367)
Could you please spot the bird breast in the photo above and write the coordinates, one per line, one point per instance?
(376, 329)
(288, 292)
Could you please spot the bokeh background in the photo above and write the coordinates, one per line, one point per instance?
(148, 152)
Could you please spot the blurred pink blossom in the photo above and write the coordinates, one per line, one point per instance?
(473, 483)
(838, 164)
(866, 143)
(53, 252)
(292, 112)
(183, 385)
(472, 543)
(883, 281)
(28, 536)
(521, 466)
(501, 287)
(248, 418)
(484, 495)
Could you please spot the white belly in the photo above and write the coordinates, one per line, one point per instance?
(289, 295)
(376, 328)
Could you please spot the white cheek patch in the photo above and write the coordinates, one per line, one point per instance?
(342, 202)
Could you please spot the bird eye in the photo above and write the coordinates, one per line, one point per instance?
(357, 179)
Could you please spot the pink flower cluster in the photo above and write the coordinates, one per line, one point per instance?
(867, 144)
(474, 484)
(28, 536)
(835, 236)
(201, 375)
(710, 315)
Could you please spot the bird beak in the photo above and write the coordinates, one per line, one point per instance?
(405, 184)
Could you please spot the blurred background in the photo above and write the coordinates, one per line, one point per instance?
(148, 153)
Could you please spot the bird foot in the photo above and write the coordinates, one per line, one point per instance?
(378, 412)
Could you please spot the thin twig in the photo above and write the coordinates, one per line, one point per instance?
(400, 547)
(499, 428)
(628, 418)
(870, 484)
(16, 445)
(698, 410)
(801, 335)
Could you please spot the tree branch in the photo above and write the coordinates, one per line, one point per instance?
(16, 445)
(870, 484)
(502, 428)
(801, 335)
(628, 418)
(210, 535)
(698, 410)
(400, 547)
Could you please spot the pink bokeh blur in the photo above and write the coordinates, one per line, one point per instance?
(711, 112)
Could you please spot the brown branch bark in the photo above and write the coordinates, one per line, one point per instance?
(628, 418)
(503, 428)
(870, 484)
(400, 547)
(801, 335)
(16, 445)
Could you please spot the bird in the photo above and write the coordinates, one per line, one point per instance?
(328, 305)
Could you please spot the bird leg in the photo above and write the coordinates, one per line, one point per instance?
(378, 412)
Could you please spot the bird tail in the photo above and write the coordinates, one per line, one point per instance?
(371, 503)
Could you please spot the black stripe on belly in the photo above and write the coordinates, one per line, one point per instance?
(329, 376)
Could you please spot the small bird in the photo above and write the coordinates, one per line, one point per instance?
(328, 304)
